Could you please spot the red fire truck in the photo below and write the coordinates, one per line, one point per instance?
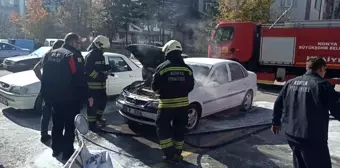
(278, 52)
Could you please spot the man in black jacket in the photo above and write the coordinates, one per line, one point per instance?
(303, 106)
(97, 72)
(47, 107)
(173, 81)
(64, 85)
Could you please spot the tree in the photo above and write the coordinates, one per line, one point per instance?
(245, 10)
(33, 23)
(74, 16)
(337, 11)
(119, 14)
(7, 29)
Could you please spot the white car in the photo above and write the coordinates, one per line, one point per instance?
(220, 84)
(20, 90)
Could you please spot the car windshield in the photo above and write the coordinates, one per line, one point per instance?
(200, 71)
(41, 51)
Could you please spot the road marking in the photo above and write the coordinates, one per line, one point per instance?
(184, 154)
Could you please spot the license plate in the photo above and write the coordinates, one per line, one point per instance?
(3, 101)
(134, 112)
(4, 66)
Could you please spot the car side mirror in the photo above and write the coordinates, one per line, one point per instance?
(81, 124)
(213, 84)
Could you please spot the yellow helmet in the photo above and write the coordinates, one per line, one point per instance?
(101, 42)
(171, 45)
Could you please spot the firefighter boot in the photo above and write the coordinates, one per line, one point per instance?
(93, 127)
(178, 158)
(101, 121)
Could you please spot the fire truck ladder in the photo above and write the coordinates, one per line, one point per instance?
(306, 24)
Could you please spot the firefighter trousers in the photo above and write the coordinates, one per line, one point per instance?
(171, 138)
(63, 119)
(310, 154)
(95, 112)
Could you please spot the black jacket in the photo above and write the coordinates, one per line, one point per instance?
(63, 77)
(303, 105)
(95, 66)
(174, 80)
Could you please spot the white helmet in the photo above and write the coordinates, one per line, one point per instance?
(171, 45)
(101, 42)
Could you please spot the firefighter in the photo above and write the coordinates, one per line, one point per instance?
(97, 72)
(305, 103)
(173, 80)
(47, 108)
(63, 84)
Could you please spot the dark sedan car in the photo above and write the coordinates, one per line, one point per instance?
(27, 62)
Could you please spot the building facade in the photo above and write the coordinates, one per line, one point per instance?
(7, 7)
(304, 9)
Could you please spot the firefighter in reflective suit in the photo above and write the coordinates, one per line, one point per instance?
(173, 80)
(97, 72)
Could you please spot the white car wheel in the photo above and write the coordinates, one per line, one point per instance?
(194, 114)
(247, 101)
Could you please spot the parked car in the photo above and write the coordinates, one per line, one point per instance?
(219, 85)
(9, 50)
(26, 62)
(23, 43)
(20, 90)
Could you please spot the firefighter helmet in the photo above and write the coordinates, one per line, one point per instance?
(101, 42)
(172, 45)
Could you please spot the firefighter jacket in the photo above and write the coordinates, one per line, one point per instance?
(173, 80)
(304, 103)
(63, 77)
(95, 68)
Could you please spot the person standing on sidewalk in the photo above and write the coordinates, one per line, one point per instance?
(97, 72)
(303, 107)
(64, 85)
(47, 107)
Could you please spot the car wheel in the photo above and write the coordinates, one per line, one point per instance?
(247, 103)
(194, 115)
(39, 103)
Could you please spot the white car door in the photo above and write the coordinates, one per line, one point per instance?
(216, 90)
(123, 75)
(238, 85)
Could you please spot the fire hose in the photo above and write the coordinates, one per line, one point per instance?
(263, 127)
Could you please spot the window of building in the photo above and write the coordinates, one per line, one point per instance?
(207, 4)
(286, 3)
(317, 4)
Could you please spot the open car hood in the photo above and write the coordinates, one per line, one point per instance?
(149, 56)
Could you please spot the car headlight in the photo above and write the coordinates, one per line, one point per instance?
(19, 90)
(122, 96)
(152, 104)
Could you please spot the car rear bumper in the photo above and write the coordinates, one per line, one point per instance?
(22, 102)
(143, 117)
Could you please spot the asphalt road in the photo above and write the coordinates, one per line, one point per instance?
(20, 145)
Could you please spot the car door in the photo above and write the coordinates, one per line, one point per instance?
(12, 50)
(238, 84)
(217, 90)
(122, 75)
(5, 51)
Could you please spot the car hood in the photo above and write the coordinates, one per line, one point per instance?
(21, 58)
(20, 79)
(149, 56)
